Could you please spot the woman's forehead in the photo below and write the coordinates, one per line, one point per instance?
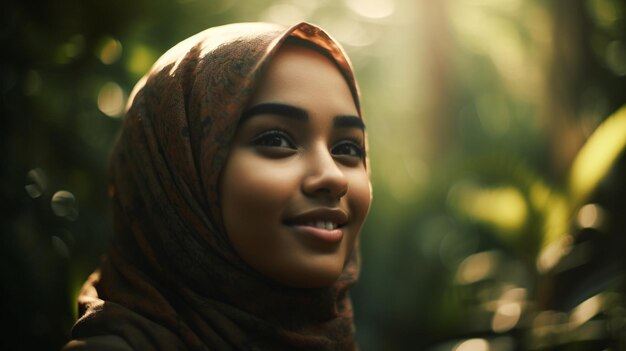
(296, 75)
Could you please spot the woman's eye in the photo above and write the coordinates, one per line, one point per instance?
(274, 138)
(348, 148)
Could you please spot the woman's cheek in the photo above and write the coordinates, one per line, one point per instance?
(360, 191)
(261, 184)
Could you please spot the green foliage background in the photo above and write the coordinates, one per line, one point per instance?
(498, 220)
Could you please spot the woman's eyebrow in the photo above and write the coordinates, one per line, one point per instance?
(274, 108)
(348, 122)
(297, 113)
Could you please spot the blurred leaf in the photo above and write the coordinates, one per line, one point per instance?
(597, 156)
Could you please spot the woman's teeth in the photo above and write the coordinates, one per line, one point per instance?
(323, 225)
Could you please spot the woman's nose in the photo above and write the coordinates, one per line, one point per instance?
(324, 177)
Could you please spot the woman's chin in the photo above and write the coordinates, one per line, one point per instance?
(312, 277)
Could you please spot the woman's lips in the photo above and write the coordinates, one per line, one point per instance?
(324, 224)
(327, 235)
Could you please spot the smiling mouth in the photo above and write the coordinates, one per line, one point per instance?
(322, 224)
(319, 231)
(322, 218)
(328, 225)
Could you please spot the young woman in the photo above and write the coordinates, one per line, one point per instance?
(240, 183)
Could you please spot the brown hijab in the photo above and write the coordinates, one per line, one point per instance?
(171, 279)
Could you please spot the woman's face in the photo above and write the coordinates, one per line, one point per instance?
(294, 190)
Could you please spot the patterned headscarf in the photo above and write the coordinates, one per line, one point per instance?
(171, 278)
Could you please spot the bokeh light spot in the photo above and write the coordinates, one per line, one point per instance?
(352, 33)
(472, 345)
(604, 12)
(110, 50)
(69, 50)
(476, 267)
(552, 253)
(585, 311)
(590, 216)
(285, 14)
(111, 99)
(506, 317)
(598, 154)
(504, 207)
(36, 182)
(64, 205)
(140, 60)
(372, 8)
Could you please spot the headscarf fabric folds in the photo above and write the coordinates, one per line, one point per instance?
(171, 279)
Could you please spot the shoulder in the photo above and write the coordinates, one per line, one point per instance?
(98, 343)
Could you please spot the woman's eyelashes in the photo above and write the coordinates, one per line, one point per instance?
(349, 147)
(279, 141)
(274, 139)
